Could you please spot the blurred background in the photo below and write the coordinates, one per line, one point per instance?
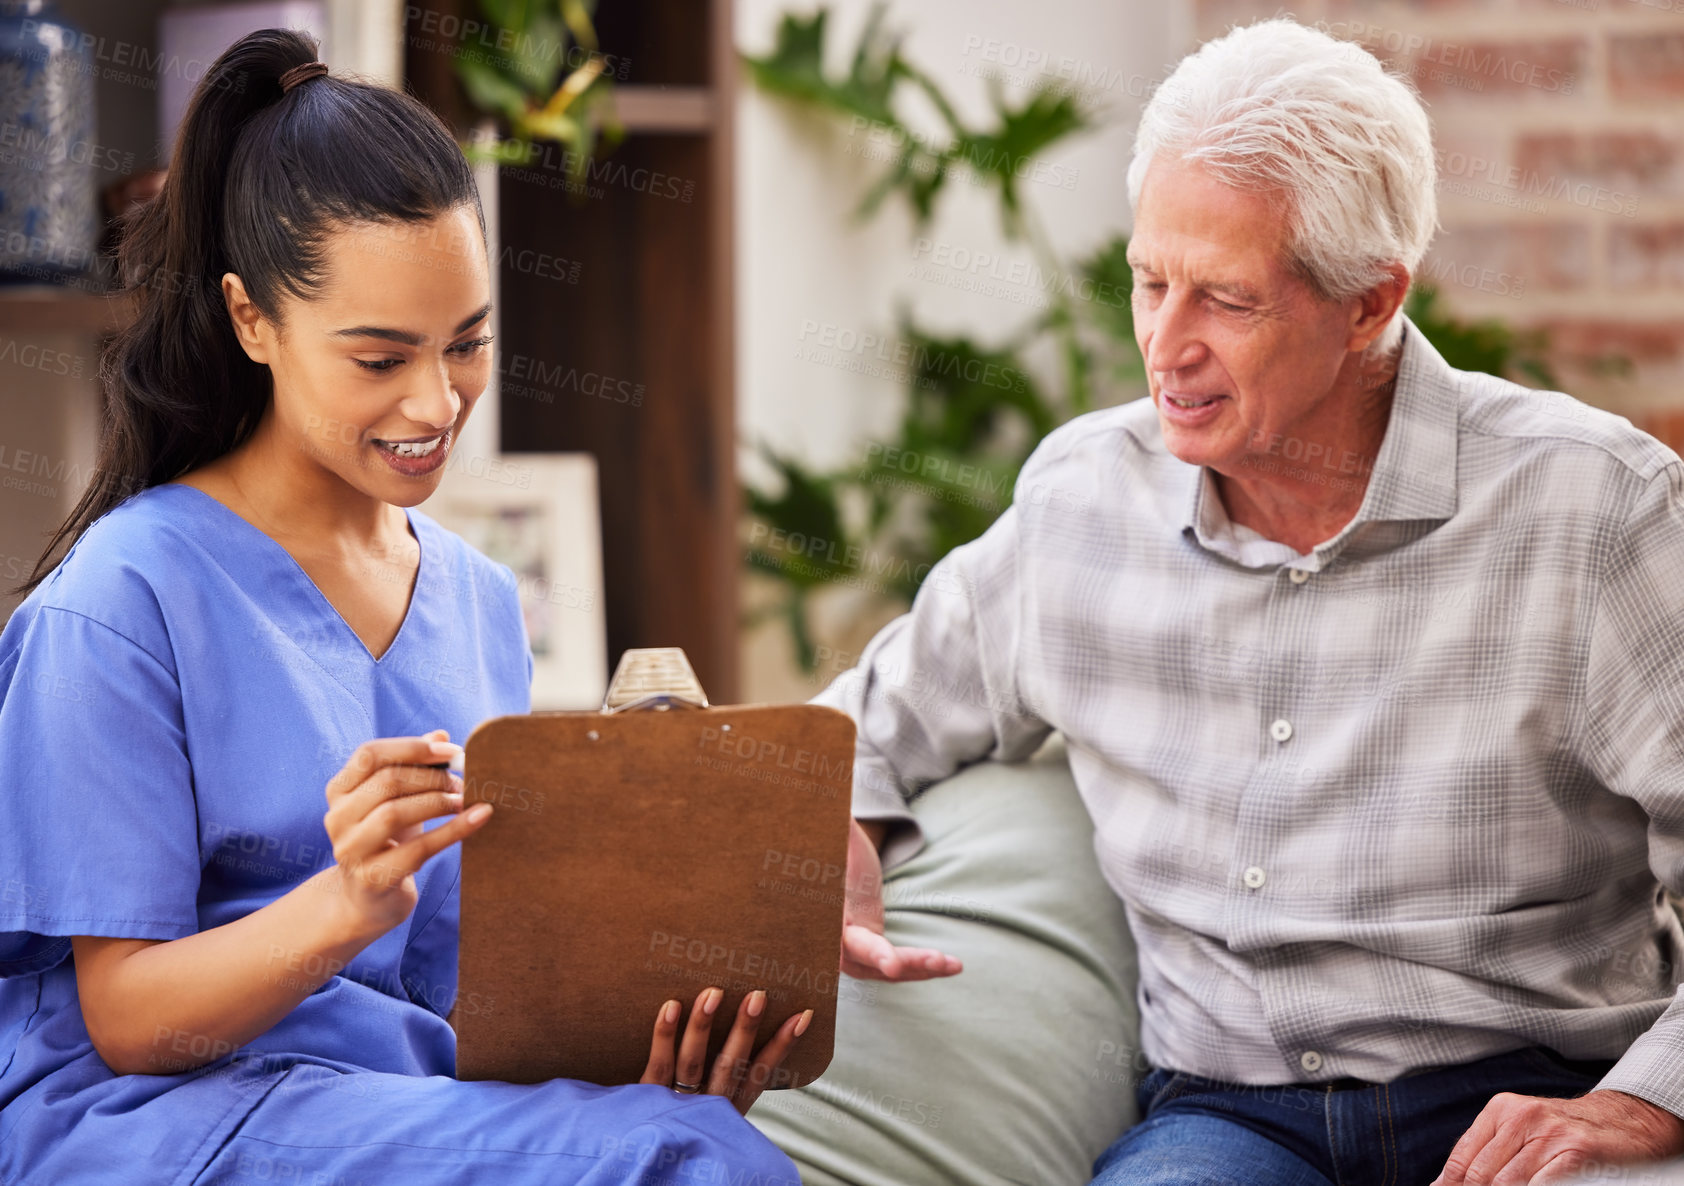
(786, 293)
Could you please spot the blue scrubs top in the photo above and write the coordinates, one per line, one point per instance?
(173, 701)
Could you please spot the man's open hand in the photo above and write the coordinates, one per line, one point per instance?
(866, 953)
(1521, 1139)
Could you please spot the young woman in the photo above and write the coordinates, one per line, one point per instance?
(203, 977)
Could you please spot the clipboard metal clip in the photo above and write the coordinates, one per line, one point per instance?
(653, 679)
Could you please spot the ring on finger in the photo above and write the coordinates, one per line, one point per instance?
(686, 1088)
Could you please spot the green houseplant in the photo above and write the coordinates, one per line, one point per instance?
(964, 431)
(542, 76)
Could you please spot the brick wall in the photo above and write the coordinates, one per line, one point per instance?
(1560, 131)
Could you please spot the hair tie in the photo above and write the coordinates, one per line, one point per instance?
(302, 73)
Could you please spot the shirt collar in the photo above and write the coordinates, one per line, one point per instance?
(1414, 477)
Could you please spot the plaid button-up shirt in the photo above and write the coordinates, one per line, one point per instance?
(1407, 800)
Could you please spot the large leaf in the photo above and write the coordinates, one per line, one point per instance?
(1017, 145)
(999, 154)
(795, 67)
(491, 89)
(800, 537)
(1109, 288)
(521, 76)
(538, 54)
(961, 392)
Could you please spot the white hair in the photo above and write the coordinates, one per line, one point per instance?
(1278, 107)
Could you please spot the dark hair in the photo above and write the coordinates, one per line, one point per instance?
(259, 179)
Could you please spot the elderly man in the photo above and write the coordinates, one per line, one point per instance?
(1371, 673)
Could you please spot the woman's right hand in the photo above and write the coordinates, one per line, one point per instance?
(377, 805)
(741, 1072)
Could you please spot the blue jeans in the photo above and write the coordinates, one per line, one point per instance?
(1201, 1132)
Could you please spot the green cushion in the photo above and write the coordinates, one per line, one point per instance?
(1021, 1068)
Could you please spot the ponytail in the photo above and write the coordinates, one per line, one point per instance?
(260, 176)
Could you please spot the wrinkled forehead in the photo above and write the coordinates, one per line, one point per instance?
(1194, 226)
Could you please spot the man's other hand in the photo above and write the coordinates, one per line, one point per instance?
(1521, 1139)
(866, 954)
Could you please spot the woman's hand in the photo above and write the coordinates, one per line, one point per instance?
(376, 808)
(736, 1075)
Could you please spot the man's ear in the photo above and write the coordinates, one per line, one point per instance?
(1376, 308)
(250, 327)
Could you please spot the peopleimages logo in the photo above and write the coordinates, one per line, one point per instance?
(1474, 61)
(122, 61)
(481, 41)
(1530, 183)
(1024, 64)
(533, 378)
(1024, 273)
(35, 148)
(1481, 279)
(832, 340)
(716, 957)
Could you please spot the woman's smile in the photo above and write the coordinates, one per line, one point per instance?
(415, 457)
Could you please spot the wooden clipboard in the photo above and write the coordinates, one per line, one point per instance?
(636, 857)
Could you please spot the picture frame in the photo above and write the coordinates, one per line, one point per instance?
(538, 513)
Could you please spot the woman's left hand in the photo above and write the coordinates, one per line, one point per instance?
(740, 1073)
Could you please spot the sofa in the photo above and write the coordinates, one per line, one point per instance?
(1021, 1069)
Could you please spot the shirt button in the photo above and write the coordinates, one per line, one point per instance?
(1281, 730)
(1254, 878)
(1298, 575)
(1310, 1060)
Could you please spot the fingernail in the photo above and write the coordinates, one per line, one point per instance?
(806, 1020)
(756, 1002)
(478, 812)
(444, 749)
(715, 995)
(669, 1014)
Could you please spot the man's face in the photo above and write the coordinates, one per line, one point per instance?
(1240, 351)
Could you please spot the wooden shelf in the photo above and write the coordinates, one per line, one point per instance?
(48, 308)
(650, 319)
(666, 108)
